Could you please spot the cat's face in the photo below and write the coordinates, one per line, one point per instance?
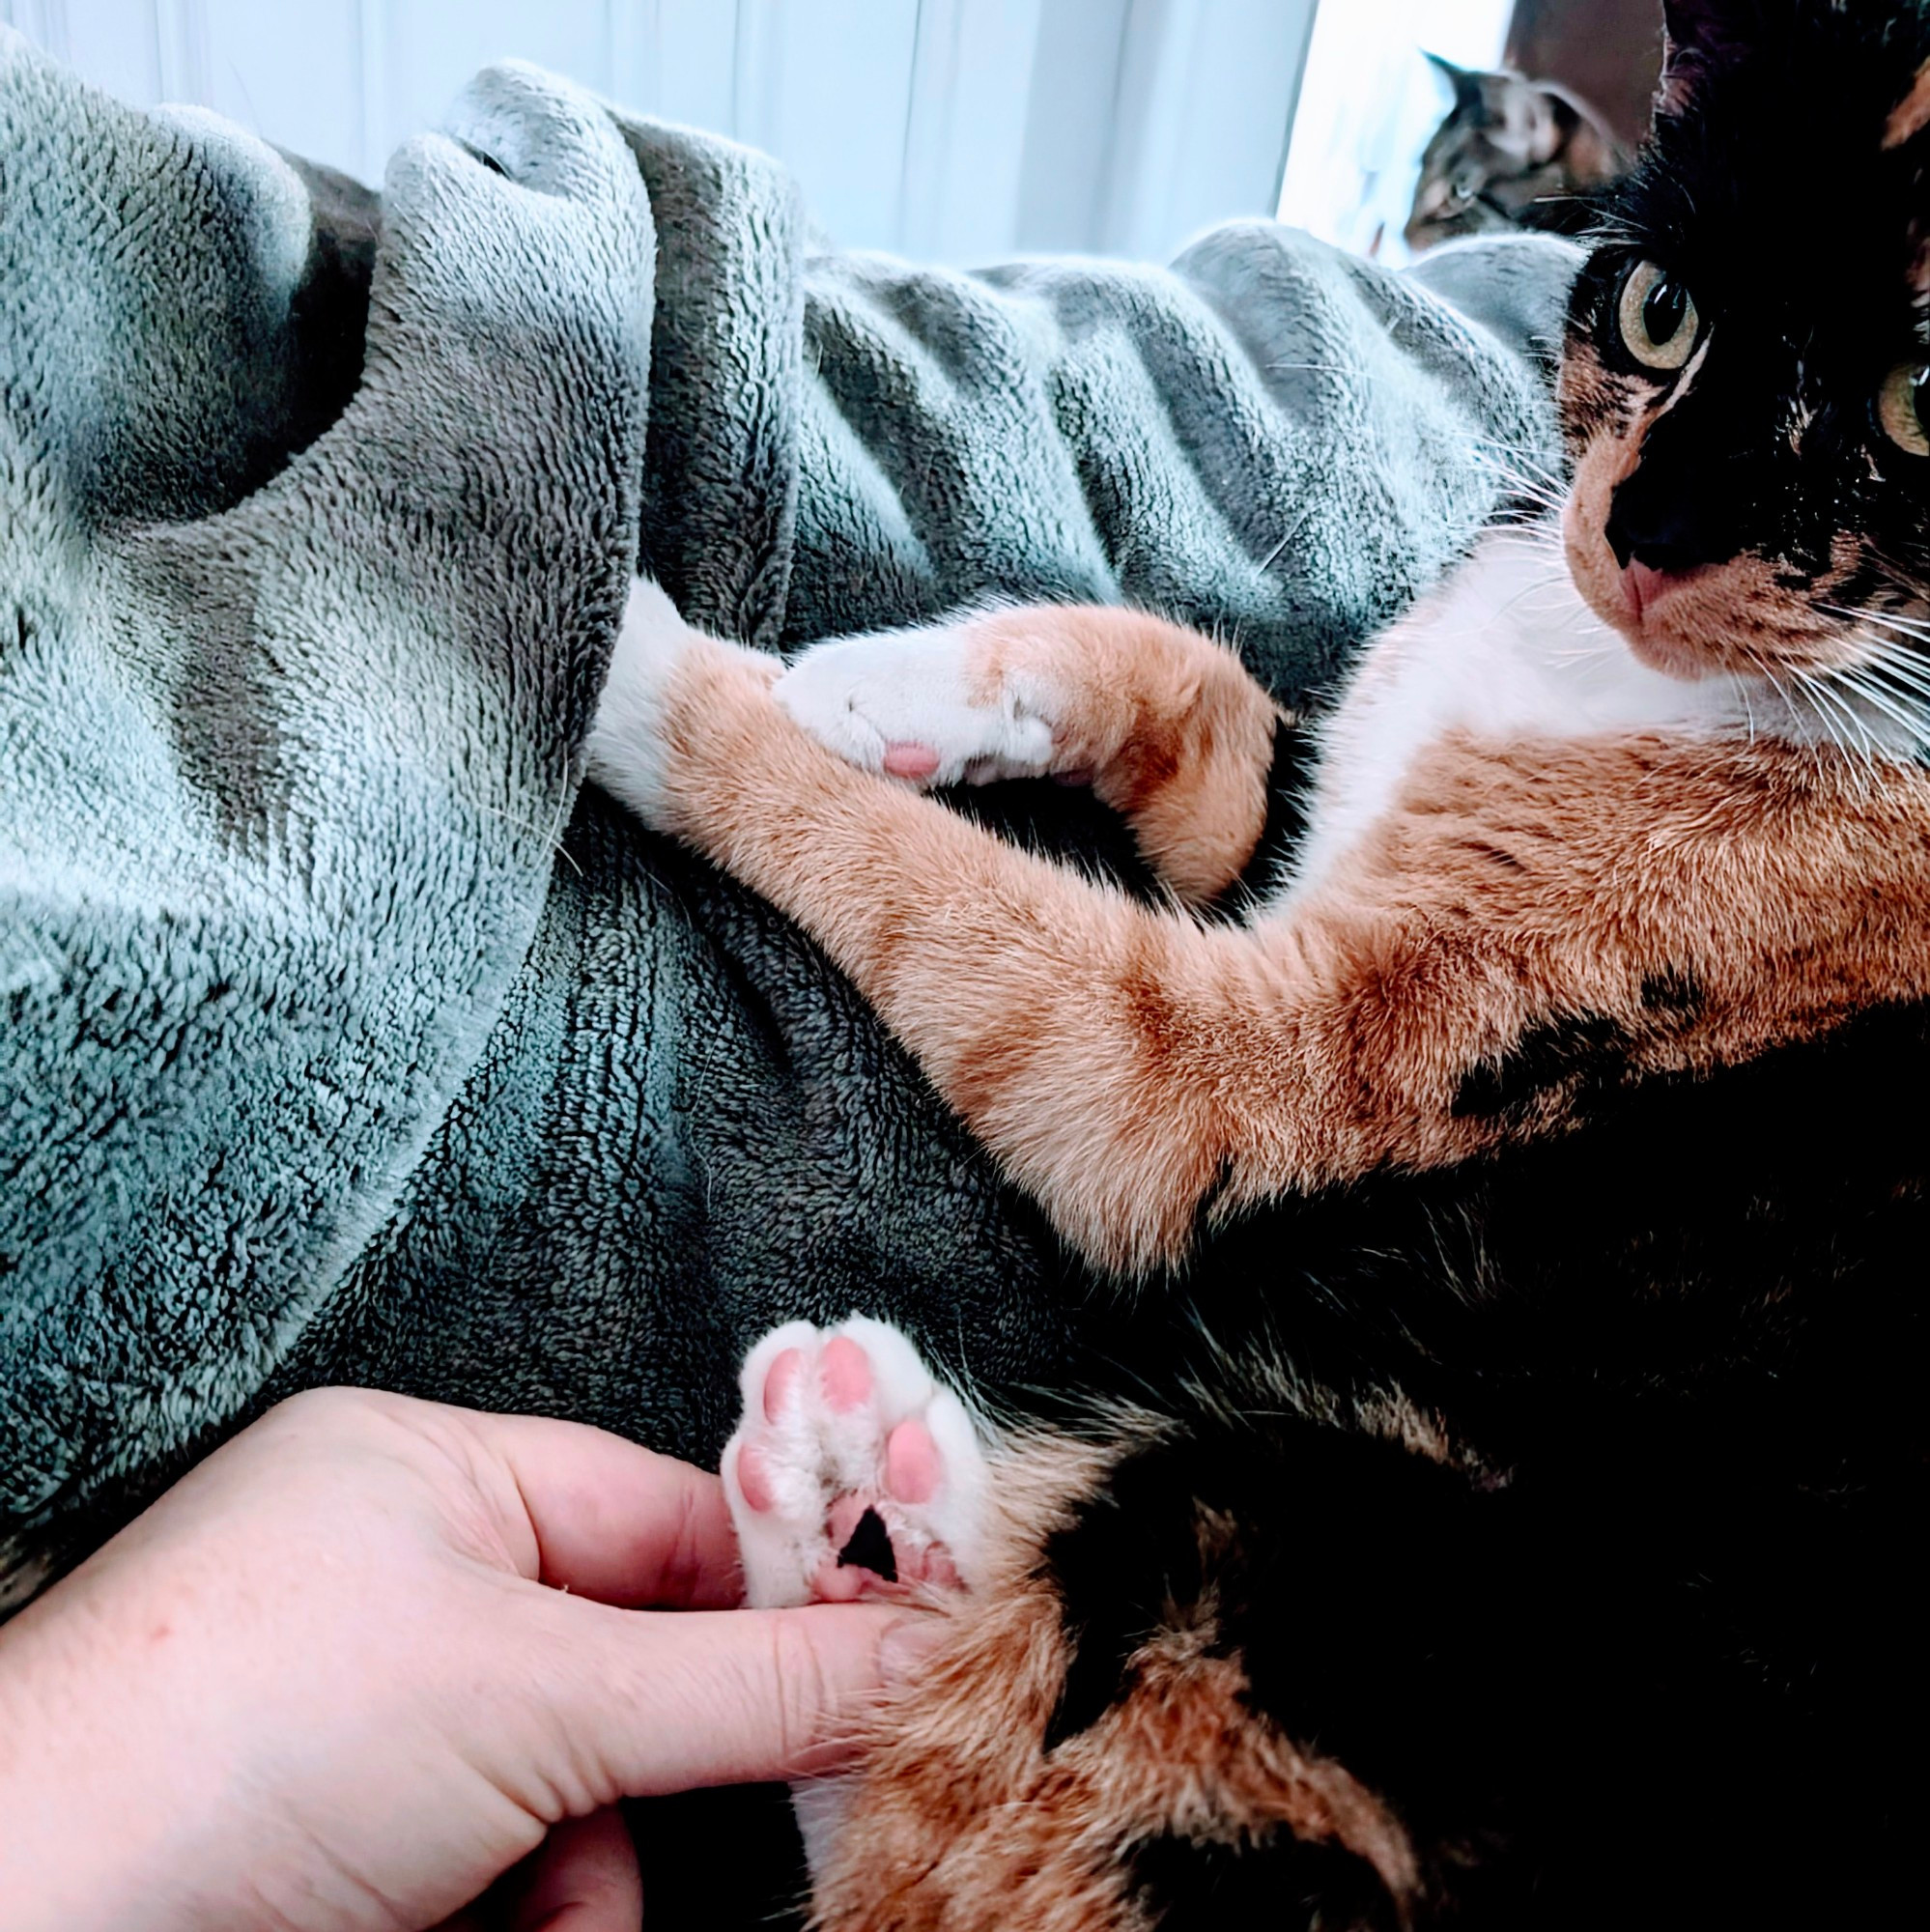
(1506, 145)
(1500, 126)
(1745, 390)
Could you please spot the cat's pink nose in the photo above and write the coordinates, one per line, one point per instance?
(1642, 584)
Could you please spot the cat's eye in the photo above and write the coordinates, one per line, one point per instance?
(1903, 406)
(1658, 318)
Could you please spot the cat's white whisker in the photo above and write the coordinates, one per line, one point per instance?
(1897, 659)
(1858, 686)
(1910, 627)
(1913, 721)
(1834, 710)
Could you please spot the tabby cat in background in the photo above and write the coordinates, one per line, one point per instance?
(1513, 153)
(1518, 1202)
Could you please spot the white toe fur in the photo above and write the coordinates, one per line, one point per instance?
(859, 695)
(625, 748)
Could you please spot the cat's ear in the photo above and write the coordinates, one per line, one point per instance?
(1699, 38)
(1465, 82)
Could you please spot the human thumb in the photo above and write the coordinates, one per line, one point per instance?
(670, 1700)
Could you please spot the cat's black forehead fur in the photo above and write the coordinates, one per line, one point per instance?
(1769, 185)
(1767, 189)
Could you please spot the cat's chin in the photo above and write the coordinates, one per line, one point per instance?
(1656, 644)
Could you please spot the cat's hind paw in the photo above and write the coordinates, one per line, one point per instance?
(852, 1473)
(918, 705)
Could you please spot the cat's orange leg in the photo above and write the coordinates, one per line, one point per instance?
(1685, 905)
(1107, 1051)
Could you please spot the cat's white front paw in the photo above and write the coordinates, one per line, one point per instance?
(906, 703)
(852, 1473)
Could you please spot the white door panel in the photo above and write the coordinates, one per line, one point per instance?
(952, 129)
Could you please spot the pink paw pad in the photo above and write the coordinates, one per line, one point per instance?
(905, 759)
(847, 1373)
(779, 1384)
(754, 1478)
(852, 1474)
(912, 1467)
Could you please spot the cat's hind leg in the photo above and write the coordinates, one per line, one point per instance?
(1165, 723)
(853, 1473)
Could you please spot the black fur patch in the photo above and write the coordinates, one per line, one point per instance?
(1282, 1885)
(1674, 992)
(1641, 1656)
(869, 1547)
(1582, 1056)
(1294, 756)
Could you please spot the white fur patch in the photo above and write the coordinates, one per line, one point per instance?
(1505, 650)
(859, 696)
(625, 754)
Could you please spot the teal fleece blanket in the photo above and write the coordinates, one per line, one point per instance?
(341, 1036)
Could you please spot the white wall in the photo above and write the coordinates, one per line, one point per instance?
(950, 129)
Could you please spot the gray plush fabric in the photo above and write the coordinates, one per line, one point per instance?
(343, 1040)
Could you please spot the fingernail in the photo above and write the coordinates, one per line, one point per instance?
(907, 1644)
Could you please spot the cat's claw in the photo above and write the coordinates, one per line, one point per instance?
(852, 1473)
(907, 703)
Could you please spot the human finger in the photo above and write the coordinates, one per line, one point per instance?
(614, 1522)
(674, 1702)
(585, 1879)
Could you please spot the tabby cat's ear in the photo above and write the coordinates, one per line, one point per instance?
(1465, 82)
(1698, 38)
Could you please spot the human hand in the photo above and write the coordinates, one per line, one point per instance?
(375, 1652)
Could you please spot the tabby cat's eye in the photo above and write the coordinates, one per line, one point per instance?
(1658, 318)
(1903, 406)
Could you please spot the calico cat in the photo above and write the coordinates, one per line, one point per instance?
(1522, 1188)
(1512, 153)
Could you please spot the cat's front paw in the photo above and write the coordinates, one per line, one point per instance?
(919, 706)
(668, 682)
(852, 1473)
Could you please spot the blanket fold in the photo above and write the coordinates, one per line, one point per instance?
(343, 1039)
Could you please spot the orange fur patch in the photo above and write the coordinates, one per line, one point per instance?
(1911, 115)
(1177, 737)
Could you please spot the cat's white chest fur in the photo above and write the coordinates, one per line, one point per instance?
(1505, 650)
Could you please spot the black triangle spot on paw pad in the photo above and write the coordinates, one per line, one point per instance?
(871, 1548)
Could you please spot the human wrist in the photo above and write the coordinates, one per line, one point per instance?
(97, 1822)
